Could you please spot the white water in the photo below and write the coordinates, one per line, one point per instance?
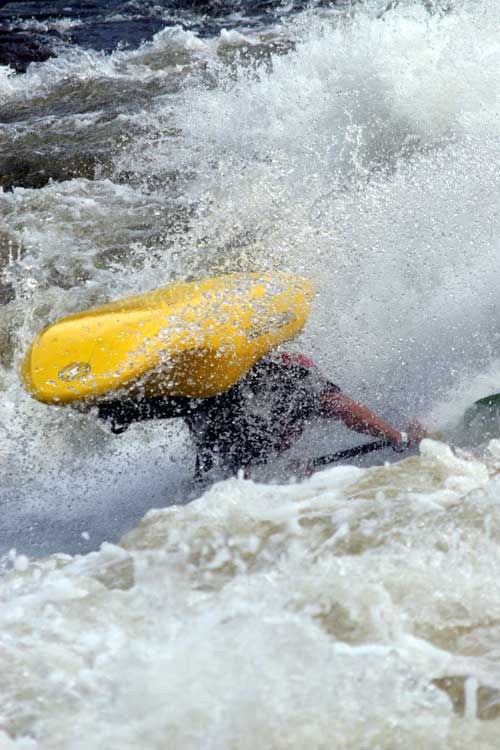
(358, 609)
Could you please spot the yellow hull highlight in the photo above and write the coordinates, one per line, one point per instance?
(191, 339)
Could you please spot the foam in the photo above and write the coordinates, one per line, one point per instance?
(246, 615)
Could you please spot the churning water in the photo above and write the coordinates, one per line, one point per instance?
(357, 144)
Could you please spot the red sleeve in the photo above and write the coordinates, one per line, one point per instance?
(298, 359)
(306, 363)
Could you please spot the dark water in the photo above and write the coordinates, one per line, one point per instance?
(109, 24)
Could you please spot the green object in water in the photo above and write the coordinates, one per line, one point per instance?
(493, 400)
(484, 414)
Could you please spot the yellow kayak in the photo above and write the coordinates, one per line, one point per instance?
(191, 339)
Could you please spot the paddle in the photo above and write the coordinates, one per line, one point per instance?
(419, 431)
(358, 450)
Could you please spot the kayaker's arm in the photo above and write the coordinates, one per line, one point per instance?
(358, 417)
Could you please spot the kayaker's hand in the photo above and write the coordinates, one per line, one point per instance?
(402, 444)
(416, 433)
(411, 437)
(398, 440)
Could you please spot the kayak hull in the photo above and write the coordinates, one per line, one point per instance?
(193, 339)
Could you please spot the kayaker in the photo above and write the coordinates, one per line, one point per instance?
(261, 416)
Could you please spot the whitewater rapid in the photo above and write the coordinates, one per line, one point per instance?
(358, 608)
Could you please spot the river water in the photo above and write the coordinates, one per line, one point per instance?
(354, 143)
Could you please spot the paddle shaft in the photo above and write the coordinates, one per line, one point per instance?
(358, 450)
